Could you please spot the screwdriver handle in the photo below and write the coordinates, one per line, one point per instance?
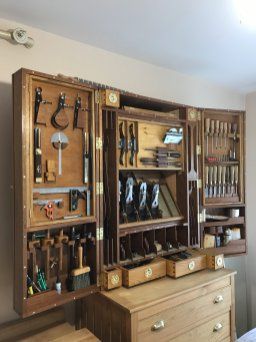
(207, 126)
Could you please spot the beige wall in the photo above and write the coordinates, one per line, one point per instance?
(251, 191)
(53, 54)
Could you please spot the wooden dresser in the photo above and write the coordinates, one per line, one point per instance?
(198, 307)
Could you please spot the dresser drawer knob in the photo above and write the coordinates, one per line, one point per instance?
(217, 327)
(158, 325)
(218, 299)
(191, 265)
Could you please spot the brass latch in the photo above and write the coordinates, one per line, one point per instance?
(99, 188)
(98, 143)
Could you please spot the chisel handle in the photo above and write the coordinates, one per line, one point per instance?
(215, 174)
(207, 126)
(206, 175)
(212, 127)
(217, 126)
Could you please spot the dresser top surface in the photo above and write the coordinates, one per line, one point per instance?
(158, 290)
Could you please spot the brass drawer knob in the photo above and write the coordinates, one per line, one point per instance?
(148, 272)
(191, 265)
(218, 299)
(158, 325)
(217, 327)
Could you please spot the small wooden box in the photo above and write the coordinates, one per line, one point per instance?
(176, 269)
(214, 260)
(110, 98)
(142, 274)
(111, 279)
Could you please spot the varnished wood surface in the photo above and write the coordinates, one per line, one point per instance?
(62, 333)
(156, 291)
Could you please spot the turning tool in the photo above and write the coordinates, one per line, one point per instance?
(207, 132)
(232, 179)
(217, 129)
(225, 133)
(60, 142)
(212, 132)
(224, 181)
(221, 134)
(236, 179)
(210, 181)
(206, 191)
(215, 181)
(228, 186)
(219, 180)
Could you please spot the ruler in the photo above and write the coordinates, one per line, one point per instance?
(59, 190)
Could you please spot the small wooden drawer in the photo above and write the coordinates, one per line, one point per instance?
(217, 329)
(168, 323)
(176, 269)
(144, 273)
(111, 279)
(215, 262)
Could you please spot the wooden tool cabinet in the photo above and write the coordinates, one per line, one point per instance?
(128, 137)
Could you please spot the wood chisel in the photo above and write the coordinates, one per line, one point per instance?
(207, 132)
(86, 157)
(37, 156)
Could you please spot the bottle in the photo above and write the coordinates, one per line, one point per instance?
(58, 285)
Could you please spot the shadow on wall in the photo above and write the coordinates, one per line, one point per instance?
(6, 205)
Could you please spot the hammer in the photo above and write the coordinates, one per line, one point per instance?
(60, 240)
(46, 243)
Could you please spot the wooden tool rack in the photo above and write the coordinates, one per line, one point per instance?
(55, 202)
(128, 139)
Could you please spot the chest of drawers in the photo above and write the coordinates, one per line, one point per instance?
(198, 307)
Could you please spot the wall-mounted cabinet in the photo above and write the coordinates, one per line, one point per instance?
(107, 179)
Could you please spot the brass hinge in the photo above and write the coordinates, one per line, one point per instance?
(99, 188)
(199, 184)
(99, 234)
(198, 150)
(200, 218)
(98, 143)
(97, 97)
(30, 213)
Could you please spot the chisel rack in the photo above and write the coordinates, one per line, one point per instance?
(107, 180)
(223, 195)
(55, 190)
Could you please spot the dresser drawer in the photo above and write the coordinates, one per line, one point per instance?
(168, 322)
(217, 329)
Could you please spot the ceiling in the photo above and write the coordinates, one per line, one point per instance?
(203, 38)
